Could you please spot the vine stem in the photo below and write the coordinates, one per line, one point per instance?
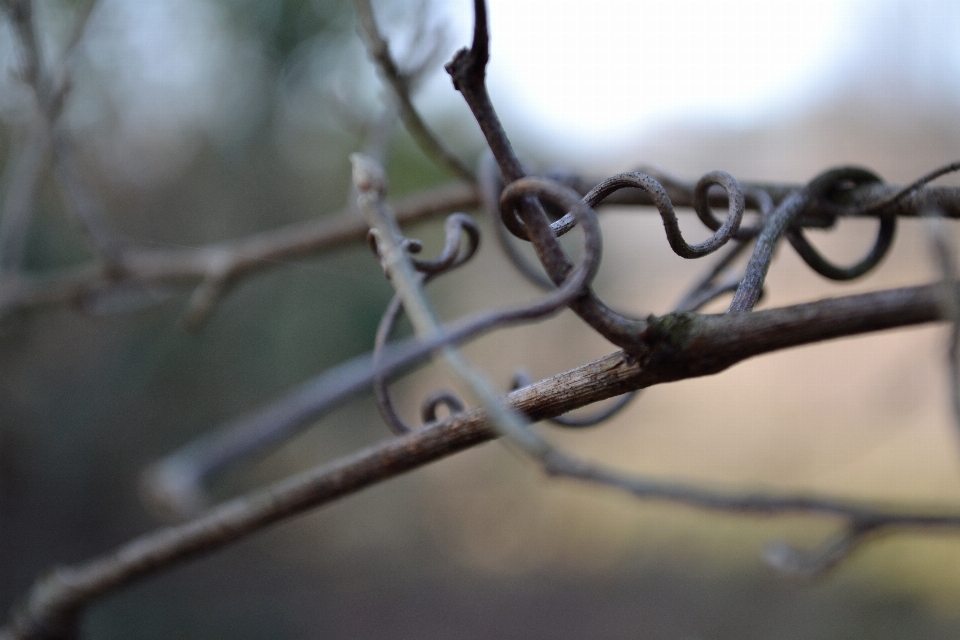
(370, 181)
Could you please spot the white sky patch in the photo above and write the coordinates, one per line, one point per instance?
(175, 71)
(594, 71)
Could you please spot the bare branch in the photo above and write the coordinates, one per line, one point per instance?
(569, 421)
(50, 86)
(188, 266)
(379, 50)
(175, 483)
(826, 187)
(656, 350)
(140, 268)
(679, 346)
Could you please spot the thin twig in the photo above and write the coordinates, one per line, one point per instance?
(468, 72)
(829, 553)
(399, 268)
(379, 50)
(23, 174)
(176, 482)
(50, 85)
(84, 204)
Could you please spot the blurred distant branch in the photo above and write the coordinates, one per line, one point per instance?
(24, 170)
(401, 82)
(140, 267)
(679, 346)
(50, 85)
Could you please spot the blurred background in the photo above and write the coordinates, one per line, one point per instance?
(204, 120)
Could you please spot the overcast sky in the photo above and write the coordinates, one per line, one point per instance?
(599, 71)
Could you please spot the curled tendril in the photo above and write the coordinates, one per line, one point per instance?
(454, 254)
(558, 194)
(575, 283)
(441, 397)
(754, 198)
(724, 230)
(828, 186)
(380, 382)
(807, 563)
(760, 200)
(491, 185)
(832, 184)
(619, 329)
(824, 191)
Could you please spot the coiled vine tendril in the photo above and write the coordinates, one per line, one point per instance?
(454, 254)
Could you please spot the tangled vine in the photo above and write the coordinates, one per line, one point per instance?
(533, 209)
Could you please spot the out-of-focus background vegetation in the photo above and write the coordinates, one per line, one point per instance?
(200, 120)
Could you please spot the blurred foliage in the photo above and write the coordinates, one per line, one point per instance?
(283, 25)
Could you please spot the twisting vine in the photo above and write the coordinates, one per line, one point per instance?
(522, 208)
(453, 256)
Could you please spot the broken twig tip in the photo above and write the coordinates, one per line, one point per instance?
(368, 175)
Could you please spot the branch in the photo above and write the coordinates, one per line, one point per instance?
(468, 72)
(224, 263)
(175, 483)
(391, 248)
(379, 50)
(174, 486)
(138, 267)
(679, 346)
(50, 86)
